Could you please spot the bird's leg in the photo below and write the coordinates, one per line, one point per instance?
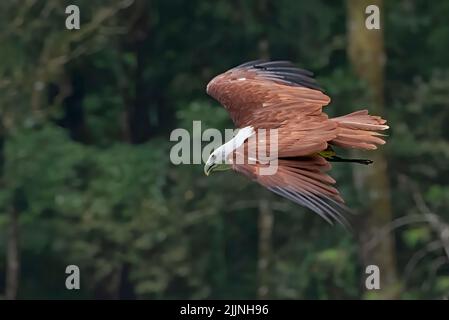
(339, 159)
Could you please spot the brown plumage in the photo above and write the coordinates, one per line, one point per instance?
(277, 95)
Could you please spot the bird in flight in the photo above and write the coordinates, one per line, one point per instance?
(277, 95)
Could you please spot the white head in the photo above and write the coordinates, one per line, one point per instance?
(217, 161)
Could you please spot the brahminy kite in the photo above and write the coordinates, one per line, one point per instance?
(278, 95)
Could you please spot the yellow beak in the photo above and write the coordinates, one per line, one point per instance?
(207, 168)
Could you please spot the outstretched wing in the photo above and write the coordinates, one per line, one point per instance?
(266, 94)
(277, 95)
(304, 181)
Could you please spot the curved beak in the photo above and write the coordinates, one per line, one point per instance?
(208, 168)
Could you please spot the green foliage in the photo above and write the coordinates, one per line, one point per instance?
(416, 236)
(85, 118)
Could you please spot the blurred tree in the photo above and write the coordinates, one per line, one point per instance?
(86, 119)
(367, 55)
(266, 216)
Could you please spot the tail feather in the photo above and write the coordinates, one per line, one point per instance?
(359, 130)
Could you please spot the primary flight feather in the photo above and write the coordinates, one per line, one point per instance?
(277, 95)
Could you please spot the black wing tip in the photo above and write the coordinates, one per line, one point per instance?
(263, 63)
(250, 64)
(327, 208)
(283, 71)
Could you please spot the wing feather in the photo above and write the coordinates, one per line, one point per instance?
(304, 181)
(267, 87)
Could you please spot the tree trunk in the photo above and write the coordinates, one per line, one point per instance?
(367, 56)
(138, 128)
(266, 218)
(125, 287)
(265, 224)
(12, 241)
(12, 256)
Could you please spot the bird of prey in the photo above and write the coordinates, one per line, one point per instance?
(277, 95)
